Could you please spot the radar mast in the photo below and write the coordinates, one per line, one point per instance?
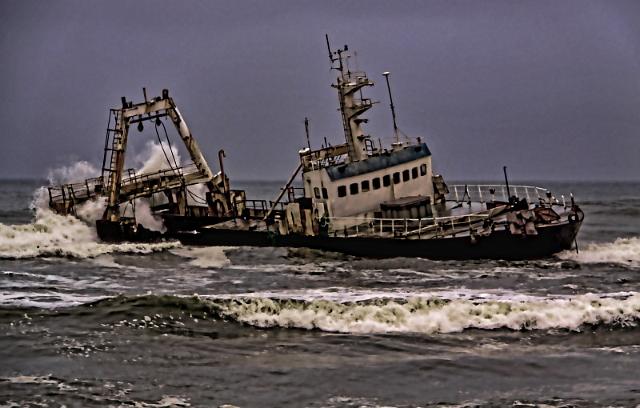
(352, 103)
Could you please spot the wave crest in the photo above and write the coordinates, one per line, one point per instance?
(53, 235)
(624, 251)
(432, 315)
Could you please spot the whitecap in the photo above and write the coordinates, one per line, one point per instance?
(205, 257)
(430, 313)
(625, 251)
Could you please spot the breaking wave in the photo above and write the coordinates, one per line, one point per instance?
(433, 315)
(625, 251)
(52, 235)
(379, 314)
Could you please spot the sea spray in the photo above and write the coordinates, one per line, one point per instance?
(53, 235)
(75, 172)
(154, 158)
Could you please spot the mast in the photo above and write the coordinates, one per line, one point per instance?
(351, 105)
(393, 109)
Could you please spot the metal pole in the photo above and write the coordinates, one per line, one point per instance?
(306, 130)
(393, 110)
(506, 181)
(286, 187)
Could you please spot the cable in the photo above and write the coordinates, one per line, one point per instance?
(166, 135)
(162, 147)
(196, 197)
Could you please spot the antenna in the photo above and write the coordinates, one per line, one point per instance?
(306, 130)
(393, 110)
(326, 36)
(506, 181)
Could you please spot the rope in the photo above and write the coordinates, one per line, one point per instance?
(166, 136)
(171, 166)
(196, 198)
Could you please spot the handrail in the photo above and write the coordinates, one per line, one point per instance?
(176, 171)
(482, 192)
(449, 225)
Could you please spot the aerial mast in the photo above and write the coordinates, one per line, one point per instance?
(351, 105)
(306, 131)
(393, 110)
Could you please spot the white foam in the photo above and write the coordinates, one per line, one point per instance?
(205, 257)
(624, 251)
(144, 215)
(153, 157)
(409, 312)
(29, 379)
(166, 401)
(45, 300)
(91, 210)
(63, 236)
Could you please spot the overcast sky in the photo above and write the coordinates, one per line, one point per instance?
(549, 88)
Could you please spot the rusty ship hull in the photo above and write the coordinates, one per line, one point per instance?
(501, 244)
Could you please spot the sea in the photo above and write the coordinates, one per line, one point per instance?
(88, 324)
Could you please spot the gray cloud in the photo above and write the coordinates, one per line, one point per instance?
(551, 89)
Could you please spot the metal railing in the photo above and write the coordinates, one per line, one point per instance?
(68, 194)
(173, 172)
(494, 192)
(260, 208)
(73, 192)
(405, 227)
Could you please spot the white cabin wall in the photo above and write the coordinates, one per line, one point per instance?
(368, 202)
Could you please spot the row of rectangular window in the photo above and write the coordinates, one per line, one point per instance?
(364, 186)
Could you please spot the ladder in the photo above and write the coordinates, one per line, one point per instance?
(112, 145)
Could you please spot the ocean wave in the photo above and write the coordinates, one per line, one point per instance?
(387, 313)
(53, 235)
(205, 257)
(623, 251)
(433, 315)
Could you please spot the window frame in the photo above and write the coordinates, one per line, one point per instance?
(374, 182)
(396, 177)
(354, 188)
(342, 191)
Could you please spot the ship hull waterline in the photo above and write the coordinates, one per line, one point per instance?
(500, 244)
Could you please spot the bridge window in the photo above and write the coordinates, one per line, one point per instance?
(325, 193)
(376, 183)
(396, 177)
(414, 172)
(316, 192)
(364, 186)
(423, 169)
(405, 175)
(353, 188)
(386, 181)
(342, 191)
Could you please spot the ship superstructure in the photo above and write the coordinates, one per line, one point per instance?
(361, 198)
(120, 187)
